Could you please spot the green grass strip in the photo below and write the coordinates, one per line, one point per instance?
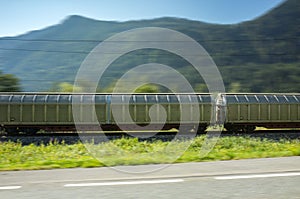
(15, 156)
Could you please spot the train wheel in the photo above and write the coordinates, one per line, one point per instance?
(248, 129)
(186, 129)
(2, 130)
(29, 131)
(11, 130)
(201, 130)
(232, 128)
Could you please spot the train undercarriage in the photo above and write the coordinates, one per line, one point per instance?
(186, 128)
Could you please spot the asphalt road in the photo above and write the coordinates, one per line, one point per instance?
(256, 178)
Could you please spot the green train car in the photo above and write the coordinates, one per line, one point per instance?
(247, 111)
(31, 112)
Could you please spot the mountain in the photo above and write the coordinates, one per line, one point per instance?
(263, 53)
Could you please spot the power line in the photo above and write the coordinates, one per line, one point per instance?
(147, 54)
(130, 41)
(46, 51)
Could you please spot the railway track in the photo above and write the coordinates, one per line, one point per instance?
(71, 138)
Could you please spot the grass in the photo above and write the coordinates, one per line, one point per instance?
(125, 151)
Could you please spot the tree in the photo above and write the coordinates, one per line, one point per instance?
(234, 87)
(9, 83)
(65, 87)
(148, 88)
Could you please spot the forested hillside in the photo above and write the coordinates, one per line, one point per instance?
(261, 55)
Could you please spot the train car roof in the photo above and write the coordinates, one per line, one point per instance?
(46, 97)
(263, 98)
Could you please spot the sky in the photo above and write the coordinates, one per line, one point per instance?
(20, 16)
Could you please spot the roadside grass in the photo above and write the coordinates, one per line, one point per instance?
(130, 151)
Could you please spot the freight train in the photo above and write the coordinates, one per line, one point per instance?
(238, 112)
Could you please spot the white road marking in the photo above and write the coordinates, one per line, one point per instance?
(10, 187)
(124, 183)
(270, 175)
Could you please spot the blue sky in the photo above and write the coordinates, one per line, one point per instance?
(20, 16)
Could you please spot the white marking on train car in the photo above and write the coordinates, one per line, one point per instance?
(270, 175)
(138, 182)
(10, 187)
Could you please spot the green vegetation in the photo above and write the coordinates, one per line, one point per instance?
(9, 83)
(261, 55)
(148, 88)
(64, 87)
(262, 78)
(14, 156)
